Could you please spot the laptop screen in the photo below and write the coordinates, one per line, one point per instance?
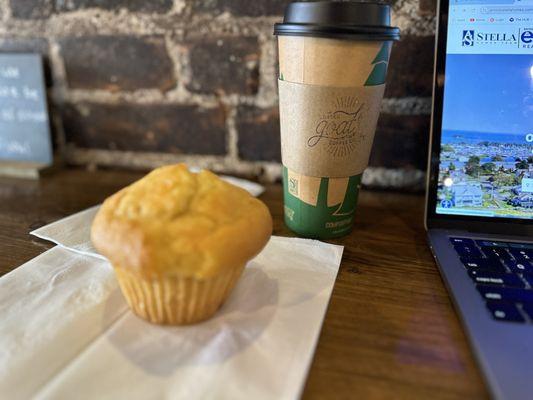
(486, 154)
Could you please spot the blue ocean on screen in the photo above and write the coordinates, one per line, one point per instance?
(453, 136)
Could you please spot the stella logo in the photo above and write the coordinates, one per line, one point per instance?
(468, 38)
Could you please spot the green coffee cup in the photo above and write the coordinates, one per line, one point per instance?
(333, 60)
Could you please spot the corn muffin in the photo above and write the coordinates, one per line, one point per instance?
(178, 242)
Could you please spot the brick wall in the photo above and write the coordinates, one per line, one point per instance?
(135, 83)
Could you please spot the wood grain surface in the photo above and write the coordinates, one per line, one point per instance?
(390, 331)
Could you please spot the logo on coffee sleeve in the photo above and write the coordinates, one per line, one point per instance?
(339, 129)
(327, 131)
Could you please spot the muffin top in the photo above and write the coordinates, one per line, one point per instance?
(175, 222)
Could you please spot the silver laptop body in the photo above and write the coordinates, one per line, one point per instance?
(479, 204)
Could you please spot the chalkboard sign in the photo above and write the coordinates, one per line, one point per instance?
(24, 124)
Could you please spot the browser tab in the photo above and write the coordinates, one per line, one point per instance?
(491, 29)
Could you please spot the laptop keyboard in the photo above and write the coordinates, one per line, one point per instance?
(503, 275)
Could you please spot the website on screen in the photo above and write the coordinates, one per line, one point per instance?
(486, 158)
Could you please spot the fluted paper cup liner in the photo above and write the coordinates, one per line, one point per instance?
(330, 96)
(175, 300)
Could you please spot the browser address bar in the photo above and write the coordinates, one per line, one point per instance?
(506, 10)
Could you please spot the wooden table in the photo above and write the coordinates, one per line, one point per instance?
(390, 331)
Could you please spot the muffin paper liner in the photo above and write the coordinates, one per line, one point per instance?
(176, 301)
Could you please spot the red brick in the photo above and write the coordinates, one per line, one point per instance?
(31, 9)
(401, 141)
(411, 67)
(259, 138)
(117, 63)
(224, 65)
(427, 7)
(155, 6)
(241, 7)
(152, 128)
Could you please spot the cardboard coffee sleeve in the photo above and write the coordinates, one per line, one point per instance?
(330, 92)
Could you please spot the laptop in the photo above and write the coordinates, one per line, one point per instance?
(479, 205)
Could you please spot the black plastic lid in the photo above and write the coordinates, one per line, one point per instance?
(341, 20)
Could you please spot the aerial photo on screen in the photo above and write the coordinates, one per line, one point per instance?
(486, 158)
(486, 174)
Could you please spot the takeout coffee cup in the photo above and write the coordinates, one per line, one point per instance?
(333, 59)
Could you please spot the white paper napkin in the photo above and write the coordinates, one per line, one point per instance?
(66, 332)
(51, 309)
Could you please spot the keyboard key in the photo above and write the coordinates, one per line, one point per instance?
(494, 278)
(462, 241)
(467, 251)
(484, 264)
(496, 252)
(528, 278)
(505, 311)
(522, 254)
(521, 245)
(510, 294)
(489, 243)
(528, 308)
(519, 266)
